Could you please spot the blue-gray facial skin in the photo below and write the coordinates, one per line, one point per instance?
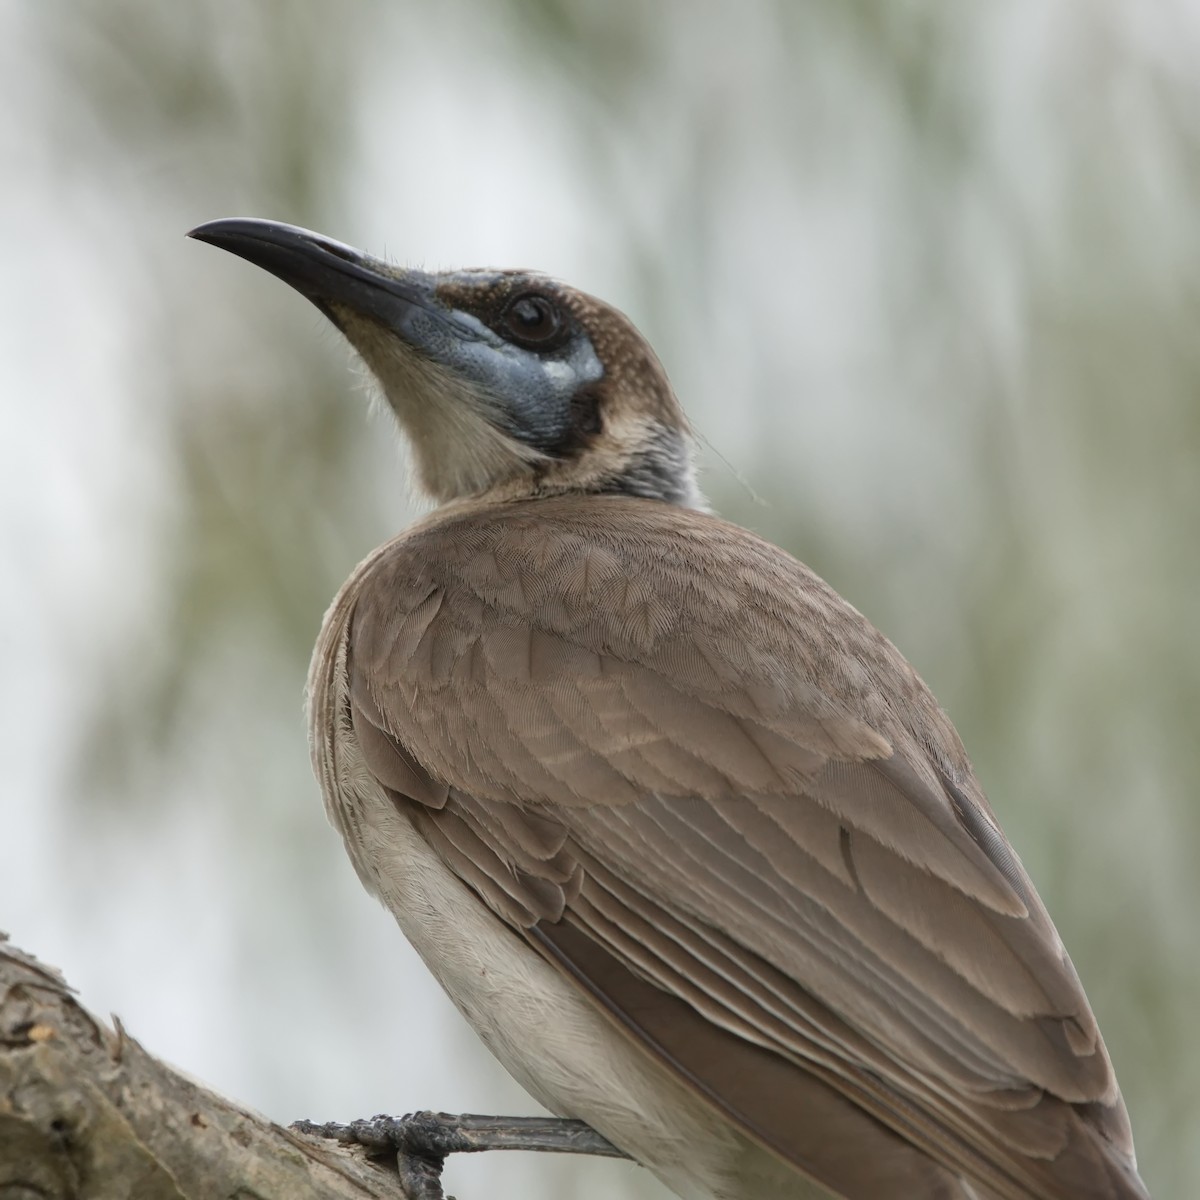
(529, 391)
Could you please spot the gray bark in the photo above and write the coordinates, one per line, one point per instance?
(87, 1114)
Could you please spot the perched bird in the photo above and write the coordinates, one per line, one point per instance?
(685, 839)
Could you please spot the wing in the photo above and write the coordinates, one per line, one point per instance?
(703, 785)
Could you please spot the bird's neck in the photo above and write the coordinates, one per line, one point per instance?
(654, 462)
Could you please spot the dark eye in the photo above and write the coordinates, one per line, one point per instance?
(532, 319)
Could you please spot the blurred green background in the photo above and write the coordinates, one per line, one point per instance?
(924, 274)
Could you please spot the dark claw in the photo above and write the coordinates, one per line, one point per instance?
(422, 1141)
(420, 1178)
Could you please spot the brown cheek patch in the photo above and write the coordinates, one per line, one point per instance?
(635, 381)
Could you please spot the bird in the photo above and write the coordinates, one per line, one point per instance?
(686, 840)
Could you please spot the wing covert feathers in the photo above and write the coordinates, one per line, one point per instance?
(703, 785)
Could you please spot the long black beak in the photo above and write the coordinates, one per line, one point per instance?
(331, 274)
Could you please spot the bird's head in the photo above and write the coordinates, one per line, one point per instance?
(508, 383)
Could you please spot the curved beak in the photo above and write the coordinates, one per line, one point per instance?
(333, 275)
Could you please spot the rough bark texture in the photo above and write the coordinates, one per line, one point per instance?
(87, 1114)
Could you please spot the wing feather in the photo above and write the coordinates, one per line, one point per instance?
(701, 783)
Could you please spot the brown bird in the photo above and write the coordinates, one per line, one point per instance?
(685, 839)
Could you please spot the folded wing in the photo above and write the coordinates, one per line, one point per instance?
(705, 787)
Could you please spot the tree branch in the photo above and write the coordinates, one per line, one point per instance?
(87, 1114)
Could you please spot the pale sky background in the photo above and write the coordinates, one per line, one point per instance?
(926, 277)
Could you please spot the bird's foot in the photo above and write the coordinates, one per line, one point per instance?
(422, 1141)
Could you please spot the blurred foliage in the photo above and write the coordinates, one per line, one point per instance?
(206, 101)
(926, 274)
